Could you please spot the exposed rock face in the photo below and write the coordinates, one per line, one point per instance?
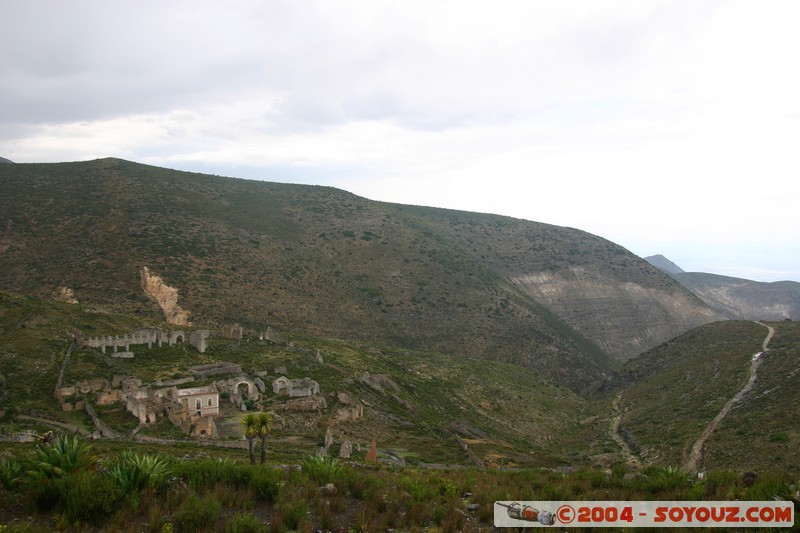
(64, 294)
(623, 319)
(743, 298)
(166, 297)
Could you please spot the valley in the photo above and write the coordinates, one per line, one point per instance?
(152, 309)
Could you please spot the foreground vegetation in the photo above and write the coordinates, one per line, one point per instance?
(64, 483)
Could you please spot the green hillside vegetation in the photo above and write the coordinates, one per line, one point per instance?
(113, 490)
(764, 431)
(438, 396)
(325, 263)
(670, 394)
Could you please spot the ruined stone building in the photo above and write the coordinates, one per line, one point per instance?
(148, 336)
(295, 388)
(232, 331)
(202, 401)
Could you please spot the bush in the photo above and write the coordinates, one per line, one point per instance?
(293, 513)
(321, 469)
(267, 483)
(245, 523)
(86, 497)
(197, 512)
(207, 473)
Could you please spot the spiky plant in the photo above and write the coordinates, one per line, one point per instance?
(264, 427)
(61, 455)
(11, 472)
(322, 469)
(132, 472)
(251, 430)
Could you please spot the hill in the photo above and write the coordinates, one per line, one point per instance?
(743, 298)
(4, 160)
(418, 405)
(737, 298)
(670, 395)
(323, 262)
(662, 263)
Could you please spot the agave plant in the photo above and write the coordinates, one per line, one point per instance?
(11, 472)
(322, 469)
(132, 472)
(61, 455)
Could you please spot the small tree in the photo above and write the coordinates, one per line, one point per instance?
(251, 428)
(264, 426)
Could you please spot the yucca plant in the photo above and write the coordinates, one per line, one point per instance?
(61, 456)
(264, 427)
(251, 428)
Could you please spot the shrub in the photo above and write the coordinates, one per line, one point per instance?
(207, 473)
(86, 496)
(197, 512)
(245, 523)
(321, 469)
(293, 513)
(267, 483)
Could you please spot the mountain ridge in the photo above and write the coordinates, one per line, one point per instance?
(737, 298)
(324, 262)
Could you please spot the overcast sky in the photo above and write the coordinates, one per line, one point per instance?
(667, 127)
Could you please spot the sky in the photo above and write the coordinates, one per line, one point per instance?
(668, 127)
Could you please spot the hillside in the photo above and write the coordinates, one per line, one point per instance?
(661, 262)
(743, 298)
(323, 262)
(737, 298)
(670, 394)
(417, 406)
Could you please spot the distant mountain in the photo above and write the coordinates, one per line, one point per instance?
(661, 262)
(743, 298)
(737, 298)
(323, 262)
(4, 160)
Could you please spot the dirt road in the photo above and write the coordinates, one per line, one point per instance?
(613, 430)
(696, 458)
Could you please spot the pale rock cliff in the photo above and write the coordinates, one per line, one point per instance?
(166, 297)
(624, 319)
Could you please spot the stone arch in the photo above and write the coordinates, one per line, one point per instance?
(178, 336)
(252, 391)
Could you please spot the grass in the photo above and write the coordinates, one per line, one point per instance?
(216, 494)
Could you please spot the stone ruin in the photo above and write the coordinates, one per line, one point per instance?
(295, 388)
(232, 331)
(213, 369)
(148, 336)
(269, 335)
(236, 394)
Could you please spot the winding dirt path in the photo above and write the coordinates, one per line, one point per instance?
(696, 458)
(56, 424)
(613, 430)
